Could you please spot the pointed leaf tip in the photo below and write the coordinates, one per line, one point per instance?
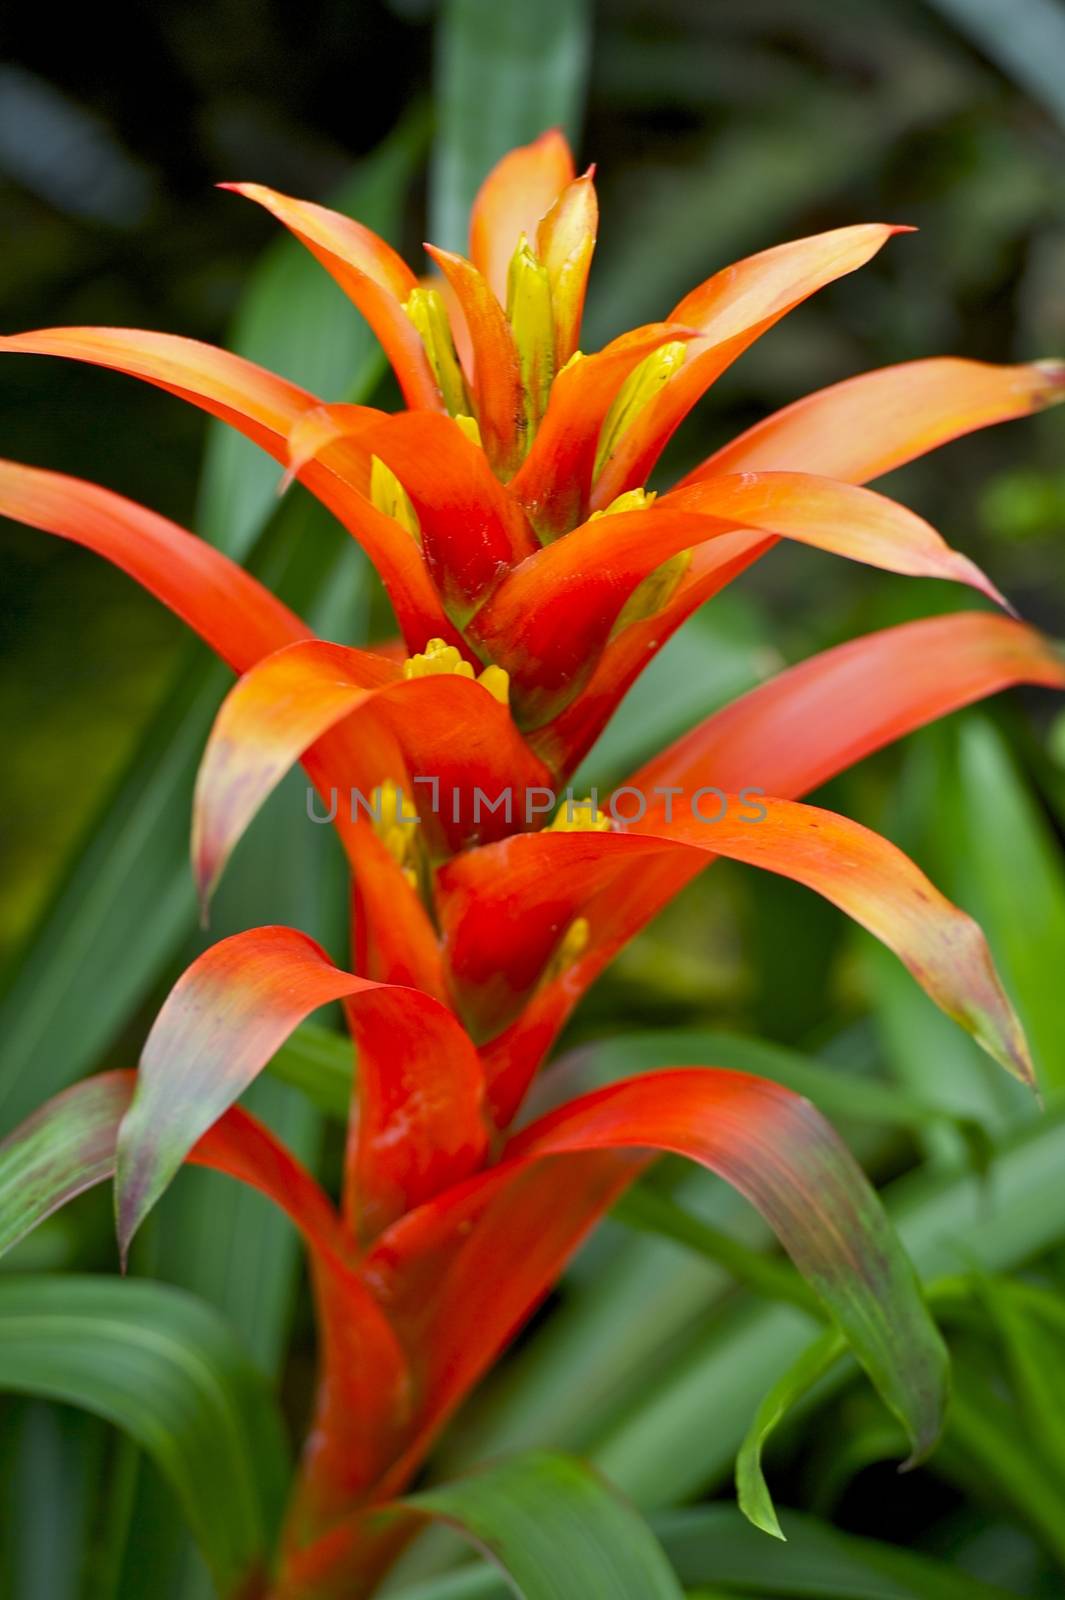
(967, 572)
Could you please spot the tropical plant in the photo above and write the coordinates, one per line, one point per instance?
(533, 577)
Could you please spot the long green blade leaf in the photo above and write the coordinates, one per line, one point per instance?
(163, 1367)
(1002, 842)
(556, 1529)
(715, 1545)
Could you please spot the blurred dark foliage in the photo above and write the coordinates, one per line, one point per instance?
(718, 130)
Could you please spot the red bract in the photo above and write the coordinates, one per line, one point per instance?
(532, 576)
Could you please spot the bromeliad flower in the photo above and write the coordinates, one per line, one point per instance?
(533, 575)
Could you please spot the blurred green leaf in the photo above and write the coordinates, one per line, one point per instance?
(557, 1530)
(841, 1095)
(504, 74)
(320, 1064)
(50, 1470)
(677, 222)
(1032, 1345)
(1013, 868)
(716, 1545)
(1008, 1438)
(915, 1033)
(928, 819)
(992, 1454)
(1026, 38)
(646, 1210)
(164, 1368)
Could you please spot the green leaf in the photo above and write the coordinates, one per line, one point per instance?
(646, 1210)
(320, 1064)
(556, 1529)
(52, 1459)
(990, 1449)
(164, 1368)
(504, 73)
(1025, 37)
(912, 1031)
(1013, 1441)
(752, 1491)
(715, 1545)
(64, 1148)
(1030, 1324)
(1003, 843)
(661, 1449)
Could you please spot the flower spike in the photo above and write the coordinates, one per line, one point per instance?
(533, 574)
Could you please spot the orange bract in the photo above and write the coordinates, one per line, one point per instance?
(533, 575)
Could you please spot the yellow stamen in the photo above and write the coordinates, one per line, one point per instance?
(572, 945)
(394, 821)
(640, 387)
(439, 660)
(631, 500)
(470, 427)
(659, 587)
(389, 496)
(497, 681)
(656, 591)
(579, 816)
(426, 310)
(532, 322)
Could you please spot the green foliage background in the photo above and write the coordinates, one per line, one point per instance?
(718, 129)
